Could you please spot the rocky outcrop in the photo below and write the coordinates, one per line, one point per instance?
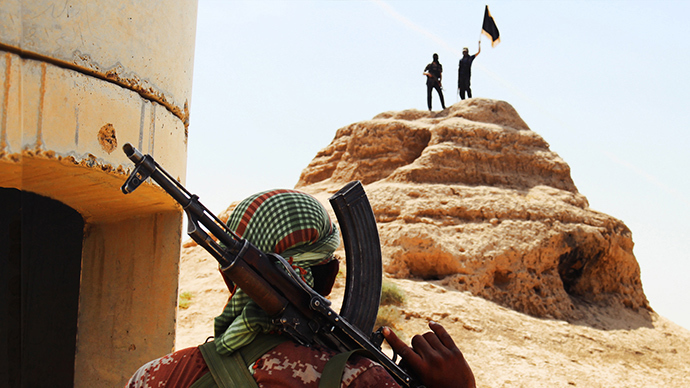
(471, 196)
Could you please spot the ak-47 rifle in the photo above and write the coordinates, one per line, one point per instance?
(434, 78)
(301, 312)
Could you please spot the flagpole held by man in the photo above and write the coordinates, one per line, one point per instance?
(465, 65)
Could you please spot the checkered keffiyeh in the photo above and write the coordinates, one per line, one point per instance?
(290, 223)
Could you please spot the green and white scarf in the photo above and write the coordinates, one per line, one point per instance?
(290, 223)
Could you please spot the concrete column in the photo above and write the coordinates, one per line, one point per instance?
(78, 79)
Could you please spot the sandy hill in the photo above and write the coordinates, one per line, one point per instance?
(484, 230)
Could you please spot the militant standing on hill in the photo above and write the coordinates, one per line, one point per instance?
(433, 73)
(465, 71)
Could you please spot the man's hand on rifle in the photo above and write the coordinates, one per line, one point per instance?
(434, 357)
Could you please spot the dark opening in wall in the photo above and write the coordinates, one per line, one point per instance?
(40, 267)
(571, 266)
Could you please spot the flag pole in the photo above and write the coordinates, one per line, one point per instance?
(481, 30)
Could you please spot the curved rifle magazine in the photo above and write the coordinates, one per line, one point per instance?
(363, 256)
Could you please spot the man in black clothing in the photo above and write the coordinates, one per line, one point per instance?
(433, 73)
(465, 71)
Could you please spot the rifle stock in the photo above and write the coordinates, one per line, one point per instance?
(302, 312)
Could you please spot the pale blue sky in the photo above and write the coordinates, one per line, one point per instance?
(604, 82)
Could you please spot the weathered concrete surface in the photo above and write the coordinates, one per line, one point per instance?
(128, 297)
(78, 79)
(52, 137)
(142, 45)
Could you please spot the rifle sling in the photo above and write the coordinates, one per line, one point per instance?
(333, 371)
(232, 371)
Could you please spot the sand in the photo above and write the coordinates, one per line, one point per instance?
(505, 348)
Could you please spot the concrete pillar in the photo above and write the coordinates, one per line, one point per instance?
(78, 79)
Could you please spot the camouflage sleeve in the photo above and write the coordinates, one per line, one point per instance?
(176, 370)
(293, 365)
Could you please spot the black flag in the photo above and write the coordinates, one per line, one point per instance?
(489, 28)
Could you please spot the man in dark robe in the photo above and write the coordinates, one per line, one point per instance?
(465, 71)
(433, 73)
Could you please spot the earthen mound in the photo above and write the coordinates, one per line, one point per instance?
(474, 198)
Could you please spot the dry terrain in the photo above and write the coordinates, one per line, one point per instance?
(505, 348)
(484, 231)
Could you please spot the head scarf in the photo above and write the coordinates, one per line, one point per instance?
(290, 223)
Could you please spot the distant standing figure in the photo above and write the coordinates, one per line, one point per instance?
(433, 73)
(465, 71)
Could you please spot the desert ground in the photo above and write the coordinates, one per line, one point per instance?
(505, 348)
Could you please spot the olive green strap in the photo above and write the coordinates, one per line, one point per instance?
(232, 371)
(229, 371)
(206, 381)
(333, 371)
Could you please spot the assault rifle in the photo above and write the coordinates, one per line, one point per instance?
(272, 283)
